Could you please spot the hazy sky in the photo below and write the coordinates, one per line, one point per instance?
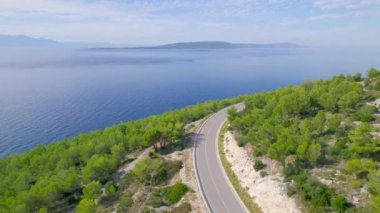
(317, 23)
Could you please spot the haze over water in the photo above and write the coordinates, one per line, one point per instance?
(48, 95)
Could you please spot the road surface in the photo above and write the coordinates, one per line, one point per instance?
(216, 189)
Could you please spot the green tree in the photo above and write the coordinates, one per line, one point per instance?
(374, 182)
(68, 180)
(372, 73)
(98, 167)
(349, 100)
(92, 190)
(86, 206)
(339, 203)
(333, 123)
(328, 101)
(359, 166)
(314, 151)
(110, 189)
(125, 202)
(319, 122)
(151, 137)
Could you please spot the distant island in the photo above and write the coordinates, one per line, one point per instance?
(23, 41)
(212, 45)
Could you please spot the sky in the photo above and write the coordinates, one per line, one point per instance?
(135, 22)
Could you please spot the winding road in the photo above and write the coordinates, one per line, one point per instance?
(217, 192)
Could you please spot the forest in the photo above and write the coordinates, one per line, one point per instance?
(323, 125)
(72, 174)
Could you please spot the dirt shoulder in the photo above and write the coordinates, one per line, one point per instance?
(268, 191)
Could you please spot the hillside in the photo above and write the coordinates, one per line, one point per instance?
(23, 41)
(325, 136)
(323, 133)
(213, 45)
(78, 174)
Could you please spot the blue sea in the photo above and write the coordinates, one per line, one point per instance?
(47, 95)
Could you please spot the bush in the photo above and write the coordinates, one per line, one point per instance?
(93, 190)
(183, 208)
(125, 202)
(155, 171)
(365, 114)
(110, 189)
(290, 191)
(373, 73)
(86, 206)
(377, 86)
(263, 174)
(155, 199)
(290, 171)
(359, 167)
(174, 193)
(152, 155)
(241, 141)
(318, 195)
(127, 180)
(339, 203)
(259, 165)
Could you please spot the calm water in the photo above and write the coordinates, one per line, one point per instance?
(50, 95)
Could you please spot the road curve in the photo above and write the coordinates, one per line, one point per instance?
(213, 182)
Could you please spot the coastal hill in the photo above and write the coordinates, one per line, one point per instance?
(213, 45)
(10, 41)
(23, 41)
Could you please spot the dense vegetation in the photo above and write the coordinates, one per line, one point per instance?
(324, 123)
(148, 181)
(58, 176)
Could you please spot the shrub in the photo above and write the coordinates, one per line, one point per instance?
(319, 195)
(127, 180)
(183, 208)
(125, 202)
(290, 171)
(174, 193)
(241, 141)
(360, 167)
(92, 190)
(263, 174)
(110, 189)
(374, 182)
(377, 86)
(158, 176)
(155, 199)
(373, 73)
(339, 203)
(152, 155)
(290, 191)
(173, 167)
(86, 206)
(365, 114)
(259, 165)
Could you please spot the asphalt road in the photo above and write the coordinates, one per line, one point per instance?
(217, 191)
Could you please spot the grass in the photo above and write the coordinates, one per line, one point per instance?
(174, 193)
(243, 194)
